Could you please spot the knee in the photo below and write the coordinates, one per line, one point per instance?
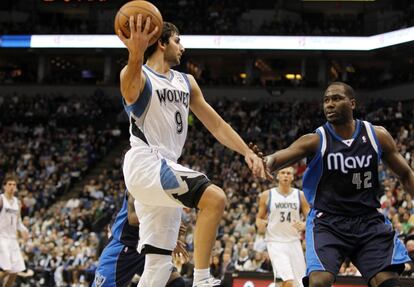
(177, 282)
(321, 279)
(317, 283)
(157, 267)
(213, 199)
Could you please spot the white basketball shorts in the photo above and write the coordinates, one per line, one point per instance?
(155, 181)
(161, 188)
(287, 260)
(11, 259)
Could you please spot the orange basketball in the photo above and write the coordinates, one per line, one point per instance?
(146, 9)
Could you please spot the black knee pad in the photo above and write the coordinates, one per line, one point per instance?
(392, 282)
(177, 282)
(149, 249)
(305, 281)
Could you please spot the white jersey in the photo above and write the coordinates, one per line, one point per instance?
(160, 115)
(9, 217)
(283, 211)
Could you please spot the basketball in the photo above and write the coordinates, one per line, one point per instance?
(146, 9)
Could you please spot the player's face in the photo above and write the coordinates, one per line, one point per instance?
(174, 51)
(10, 187)
(285, 175)
(337, 106)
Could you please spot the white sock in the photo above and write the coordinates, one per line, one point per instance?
(201, 274)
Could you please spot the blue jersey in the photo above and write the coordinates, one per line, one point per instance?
(121, 230)
(342, 177)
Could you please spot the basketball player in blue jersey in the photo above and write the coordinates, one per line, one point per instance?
(120, 260)
(341, 184)
(158, 100)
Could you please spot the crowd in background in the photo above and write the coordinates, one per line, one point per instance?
(68, 235)
(210, 17)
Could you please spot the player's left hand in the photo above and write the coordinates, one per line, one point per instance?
(299, 225)
(180, 252)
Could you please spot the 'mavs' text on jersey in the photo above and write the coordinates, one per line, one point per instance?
(337, 161)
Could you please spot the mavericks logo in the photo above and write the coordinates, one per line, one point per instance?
(99, 279)
(337, 161)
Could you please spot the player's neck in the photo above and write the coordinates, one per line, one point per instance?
(345, 130)
(156, 62)
(285, 189)
(8, 195)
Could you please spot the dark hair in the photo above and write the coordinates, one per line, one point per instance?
(168, 29)
(9, 178)
(349, 91)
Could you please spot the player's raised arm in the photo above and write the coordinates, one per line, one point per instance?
(132, 78)
(299, 149)
(394, 159)
(221, 130)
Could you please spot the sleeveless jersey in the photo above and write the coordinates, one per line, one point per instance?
(159, 117)
(283, 211)
(121, 230)
(9, 217)
(342, 177)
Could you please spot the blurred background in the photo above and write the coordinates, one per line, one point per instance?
(63, 129)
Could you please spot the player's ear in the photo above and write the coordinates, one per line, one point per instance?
(353, 103)
(161, 45)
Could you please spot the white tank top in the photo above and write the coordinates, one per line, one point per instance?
(283, 211)
(9, 217)
(160, 115)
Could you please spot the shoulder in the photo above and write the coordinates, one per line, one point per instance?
(384, 138)
(265, 194)
(382, 133)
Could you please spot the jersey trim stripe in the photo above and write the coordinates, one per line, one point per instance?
(322, 143)
(167, 176)
(313, 261)
(373, 138)
(269, 201)
(140, 105)
(185, 76)
(160, 75)
(314, 171)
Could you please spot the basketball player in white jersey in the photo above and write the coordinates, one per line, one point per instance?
(157, 100)
(281, 208)
(11, 259)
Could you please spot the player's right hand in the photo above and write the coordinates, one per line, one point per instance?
(265, 173)
(138, 42)
(261, 224)
(180, 252)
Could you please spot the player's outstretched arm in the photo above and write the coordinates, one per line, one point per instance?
(221, 130)
(132, 78)
(299, 149)
(394, 159)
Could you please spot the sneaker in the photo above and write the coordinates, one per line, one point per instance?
(209, 282)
